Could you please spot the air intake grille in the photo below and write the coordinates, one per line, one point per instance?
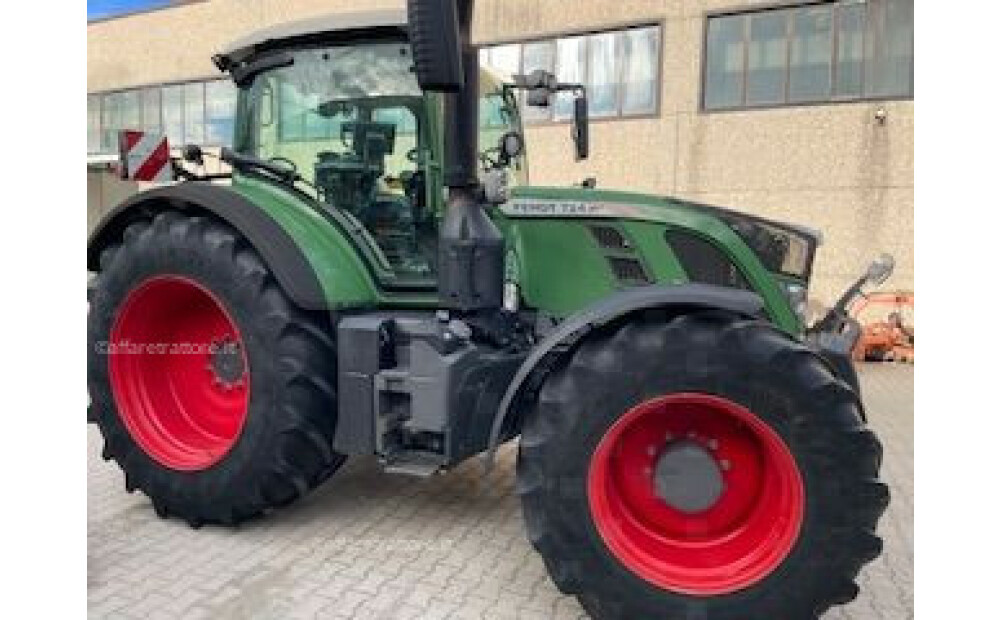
(704, 262)
(628, 270)
(609, 238)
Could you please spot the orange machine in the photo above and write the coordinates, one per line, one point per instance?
(887, 334)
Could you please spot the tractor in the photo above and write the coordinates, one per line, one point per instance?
(376, 276)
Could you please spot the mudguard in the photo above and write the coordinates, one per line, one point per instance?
(561, 340)
(278, 249)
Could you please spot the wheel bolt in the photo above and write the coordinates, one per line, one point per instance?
(651, 450)
(725, 465)
(713, 444)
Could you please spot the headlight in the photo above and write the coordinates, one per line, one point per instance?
(781, 248)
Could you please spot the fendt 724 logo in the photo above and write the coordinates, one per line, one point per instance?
(567, 208)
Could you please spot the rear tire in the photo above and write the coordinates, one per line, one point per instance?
(794, 423)
(209, 438)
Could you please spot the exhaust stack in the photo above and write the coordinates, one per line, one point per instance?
(471, 254)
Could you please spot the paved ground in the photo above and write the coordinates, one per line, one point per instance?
(367, 545)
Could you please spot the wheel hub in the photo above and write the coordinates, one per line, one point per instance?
(687, 477)
(226, 363)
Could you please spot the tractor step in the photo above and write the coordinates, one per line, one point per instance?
(418, 464)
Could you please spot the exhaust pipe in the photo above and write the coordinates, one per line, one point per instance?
(471, 252)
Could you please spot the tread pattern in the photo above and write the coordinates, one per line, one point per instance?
(748, 361)
(285, 448)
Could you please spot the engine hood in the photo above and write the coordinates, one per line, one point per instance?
(772, 241)
(599, 203)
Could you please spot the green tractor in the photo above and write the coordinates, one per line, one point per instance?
(376, 277)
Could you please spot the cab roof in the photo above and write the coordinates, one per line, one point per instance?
(348, 25)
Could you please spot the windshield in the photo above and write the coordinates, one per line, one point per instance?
(352, 121)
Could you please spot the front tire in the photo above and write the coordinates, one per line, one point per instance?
(700, 464)
(212, 390)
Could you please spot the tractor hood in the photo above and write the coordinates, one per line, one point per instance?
(783, 248)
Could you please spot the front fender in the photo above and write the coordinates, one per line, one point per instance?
(683, 297)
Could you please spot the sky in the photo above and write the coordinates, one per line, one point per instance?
(97, 9)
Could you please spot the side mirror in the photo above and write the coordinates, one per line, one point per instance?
(540, 85)
(581, 127)
(437, 49)
(880, 270)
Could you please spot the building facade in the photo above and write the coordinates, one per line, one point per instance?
(800, 111)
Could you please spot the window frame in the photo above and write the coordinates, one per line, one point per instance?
(790, 6)
(552, 38)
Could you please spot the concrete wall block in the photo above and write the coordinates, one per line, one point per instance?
(834, 146)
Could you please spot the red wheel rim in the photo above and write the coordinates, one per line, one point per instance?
(745, 533)
(179, 373)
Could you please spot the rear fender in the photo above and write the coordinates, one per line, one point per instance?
(302, 250)
(561, 341)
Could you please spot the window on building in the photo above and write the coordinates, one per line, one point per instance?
(220, 111)
(603, 77)
(504, 58)
(93, 124)
(849, 60)
(621, 69)
(571, 67)
(111, 121)
(724, 64)
(839, 50)
(173, 114)
(640, 70)
(767, 57)
(810, 68)
(889, 48)
(195, 112)
(151, 119)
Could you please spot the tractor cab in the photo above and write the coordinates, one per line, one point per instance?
(350, 119)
